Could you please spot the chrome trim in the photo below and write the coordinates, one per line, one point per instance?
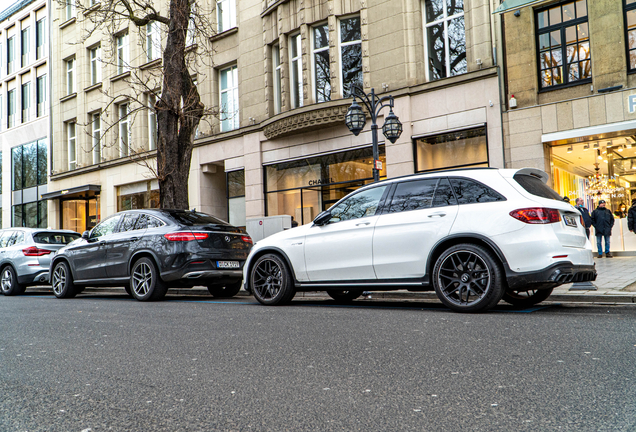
(213, 273)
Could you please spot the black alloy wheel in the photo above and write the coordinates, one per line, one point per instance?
(145, 282)
(467, 278)
(225, 291)
(271, 281)
(344, 296)
(526, 298)
(62, 281)
(9, 282)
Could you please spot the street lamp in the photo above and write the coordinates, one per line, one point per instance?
(355, 121)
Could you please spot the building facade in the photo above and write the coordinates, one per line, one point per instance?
(280, 78)
(571, 68)
(24, 113)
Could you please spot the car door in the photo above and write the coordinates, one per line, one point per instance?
(421, 212)
(89, 256)
(123, 243)
(341, 250)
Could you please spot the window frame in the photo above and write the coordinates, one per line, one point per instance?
(96, 137)
(231, 14)
(71, 143)
(25, 102)
(11, 108)
(40, 90)
(40, 36)
(346, 44)
(234, 121)
(70, 76)
(11, 54)
(296, 66)
(124, 120)
(69, 10)
(95, 57)
(123, 52)
(314, 52)
(25, 46)
(277, 68)
(415, 139)
(152, 122)
(153, 41)
(628, 8)
(444, 20)
(563, 48)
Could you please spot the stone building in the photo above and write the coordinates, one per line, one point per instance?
(24, 113)
(570, 66)
(280, 78)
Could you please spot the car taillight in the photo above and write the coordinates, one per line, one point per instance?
(247, 239)
(34, 251)
(185, 236)
(582, 223)
(538, 215)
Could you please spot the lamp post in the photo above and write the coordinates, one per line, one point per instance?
(356, 119)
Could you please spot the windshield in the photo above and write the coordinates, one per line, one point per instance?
(58, 238)
(536, 187)
(194, 218)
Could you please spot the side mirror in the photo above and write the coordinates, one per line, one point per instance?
(322, 218)
(85, 235)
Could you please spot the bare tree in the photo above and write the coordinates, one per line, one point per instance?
(165, 85)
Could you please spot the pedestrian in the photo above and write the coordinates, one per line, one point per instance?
(622, 211)
(587, 220)
(294, 223)
(631, 217)
(603, 221)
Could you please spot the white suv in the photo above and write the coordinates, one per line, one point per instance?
(475, 236)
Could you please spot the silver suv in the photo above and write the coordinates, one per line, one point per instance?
(25, 256)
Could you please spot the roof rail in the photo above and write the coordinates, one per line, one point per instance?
(441, 172)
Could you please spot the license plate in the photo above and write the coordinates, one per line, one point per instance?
(570, 220)
(227, 264)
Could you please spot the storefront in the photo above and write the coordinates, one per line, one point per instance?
(79, 207)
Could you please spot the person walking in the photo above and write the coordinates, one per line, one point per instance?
(631, 217)
(603, 221)
(587, 219)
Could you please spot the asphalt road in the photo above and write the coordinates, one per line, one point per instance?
(109, 363)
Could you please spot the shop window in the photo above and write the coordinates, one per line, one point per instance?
(413, 195)
(445, 37)
(296, 71)
(564, 45)
(226, 15)
(229, 99)
(461, 149)
(142, 195)
(80, 215)
(277, 79)
(350, 53)
(305, 187)
(322, 81)
(95, 55)
(236, 197)
(630, 37)
(29, 169)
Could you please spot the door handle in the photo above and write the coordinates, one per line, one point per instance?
(133, 239)
(437, 215)
(363, 223)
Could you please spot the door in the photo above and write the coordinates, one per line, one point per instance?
(421, 213)
(341, 250)
(121, 245)
(89, 256)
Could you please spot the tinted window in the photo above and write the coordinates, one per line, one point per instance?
(535, 186)
(362, 204)
(11, 240)
(18, 238)
(153, 222)
(106, 227)
(55, 237)
(146, 221)
(193, 218)
(470, 191)
(128, 224)
(444, 195)
(5, 237)
(413, 195)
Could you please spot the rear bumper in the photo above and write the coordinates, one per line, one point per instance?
(552, 276)
(40, 277)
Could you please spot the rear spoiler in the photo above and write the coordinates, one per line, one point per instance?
(534, 172)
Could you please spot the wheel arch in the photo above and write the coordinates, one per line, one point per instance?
(456, 239)
(141, 254)
(274, 250)
(58, 260)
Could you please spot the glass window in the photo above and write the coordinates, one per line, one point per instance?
(5, 237)
(43, 214)
(41, 96)
(123, 58)
(359, 205)
(190, 218)
(470, 191)
(124, 130)
(229, 99)
(11, 109)
(60, 238)
(322, 77)
(153, 222)
(106, 227)
(40, 38)
(535, 186)
(153, 41)
(26, 101)
(350, 53)
(16, 156)
(445, 36)
(72, 147)
(467, 148)
(630, 29)
(0, 179)
(25, 42)
(226, 14)
(11, 55)
(95, 55)
(444, 195)
(18, 238)
(564, 44)
(296, 71)
(236, 197)
(277, 78)
(70, 76)
(70, 9)
(43, 150)
(29, 165)
(129, 222)
(413, 195)
(152, 122)
(96, 135)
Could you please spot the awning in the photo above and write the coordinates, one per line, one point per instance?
(591, 133)
(72, 191)
(509, 5)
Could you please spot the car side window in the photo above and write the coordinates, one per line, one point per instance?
(153, 222)
(359, 205)
(413, 195)
(18, 238)
(470, 191)
(444, 195)
(129, 221)
(11, 240)
(5, 237)
(106, 227)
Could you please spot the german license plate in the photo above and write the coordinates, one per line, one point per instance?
(227, 264)
(569, 220)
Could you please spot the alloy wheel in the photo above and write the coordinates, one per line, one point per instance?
(268, 279)
(7, 280)
(464, 278)
(142, 279)
(59, 279)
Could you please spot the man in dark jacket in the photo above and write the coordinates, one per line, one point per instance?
(631, 217)
(587, 220)
(603, 221)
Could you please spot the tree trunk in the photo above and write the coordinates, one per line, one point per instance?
(179, 110)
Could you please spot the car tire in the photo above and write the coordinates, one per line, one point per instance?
(62, 281)
(145, 281)
(9, 282)
(526, 298)
(343, 296)
(225, 291)
(467, 278)
(271, 281)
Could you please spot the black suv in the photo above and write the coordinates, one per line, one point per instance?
(149, 251)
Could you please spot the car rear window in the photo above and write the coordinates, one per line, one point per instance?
(535, 186)
(55, 237)
(470, 191)
(193, 218)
